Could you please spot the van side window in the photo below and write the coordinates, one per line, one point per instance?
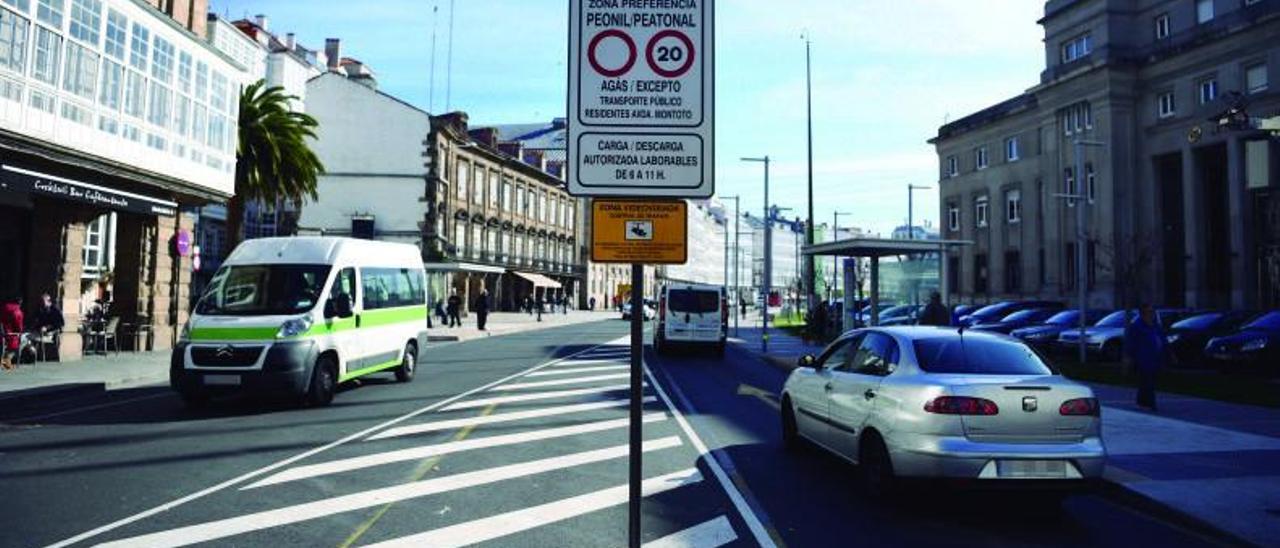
(345, 283)
(392, 287)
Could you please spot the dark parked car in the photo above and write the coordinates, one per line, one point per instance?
(1255, 347)
(1106, 337)
(1017, 320)
(995, 312)
(1187, 338)
(1046, 334)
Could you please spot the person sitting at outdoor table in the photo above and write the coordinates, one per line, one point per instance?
(49, 317)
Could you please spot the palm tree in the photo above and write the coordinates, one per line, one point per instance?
(274, 161)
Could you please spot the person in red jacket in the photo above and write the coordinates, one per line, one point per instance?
(11, 320)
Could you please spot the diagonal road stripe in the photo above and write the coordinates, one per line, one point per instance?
(562, 382)
(578, 370)
(427, 451)
(472, 404)
(710, 534)
(501, 525)
(579, 363)
(257, 521)
(504, 417)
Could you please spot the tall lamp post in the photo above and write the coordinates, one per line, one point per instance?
(736, 215)
(768, 255)
(810, 275)
(911, 192)
(1079, 198)
(835, 261)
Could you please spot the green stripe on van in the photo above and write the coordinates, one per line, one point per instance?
(368, 319)
(367, 370)
(388, 316)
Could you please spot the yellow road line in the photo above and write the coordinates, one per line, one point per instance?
(421, 471)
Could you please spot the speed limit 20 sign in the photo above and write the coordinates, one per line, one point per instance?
(641, 98)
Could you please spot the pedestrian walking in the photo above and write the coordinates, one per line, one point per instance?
(564, 305)
(454, 309)
(538, 305)
(528, 304)
(591, 303)
(440, 313)
(935, 313)
(11, 325)
(1145, 345)
(482, 309)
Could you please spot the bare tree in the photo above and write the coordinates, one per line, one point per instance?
(1130, 262)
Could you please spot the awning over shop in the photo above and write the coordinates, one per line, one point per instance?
(25, 181)
(538, 280)
(463, 267)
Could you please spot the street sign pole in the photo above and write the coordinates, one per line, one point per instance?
(637, 401)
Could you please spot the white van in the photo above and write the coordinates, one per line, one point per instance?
(300, 316)
(691, 314)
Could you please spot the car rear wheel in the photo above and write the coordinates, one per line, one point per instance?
(790, 430)
(875, 468)
(324, 382)
(408, 365)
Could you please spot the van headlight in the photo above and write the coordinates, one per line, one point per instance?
(185, 334)
(294, 327)
(1254, 345)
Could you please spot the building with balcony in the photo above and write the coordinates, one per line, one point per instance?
(116, 119)
(1179, 208)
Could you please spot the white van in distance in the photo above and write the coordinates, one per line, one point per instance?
(298, 316)
(693, 315)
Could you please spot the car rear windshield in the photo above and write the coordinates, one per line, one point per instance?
(1025, 315)
(991, 311)
(978, 356)
(1203, 321)
(1270, 320)
(693, 301)
(1114, 319)
(1068, 318)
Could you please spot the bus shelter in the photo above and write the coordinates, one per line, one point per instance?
(874, 249)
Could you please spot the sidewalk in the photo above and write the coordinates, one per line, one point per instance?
(1213, 464)
(45, 383)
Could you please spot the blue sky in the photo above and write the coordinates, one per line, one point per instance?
(885, 76)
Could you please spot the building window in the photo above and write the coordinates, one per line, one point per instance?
(112, 85)
(953, 218)
(13, 40)
(953, 166)
(202, 83)
(463, 178)
(1165, 107)
(1090, 183)
(494, 198)
(1011, 149)
(1255, 76)
(980, 212)
(138, 47)
(477, 241)
(95, 245)
(1069, 261)
(460, 238)
(159, 105)
(80, 73)
(980, 273)
(162, 61)
(506, 195)
(1204, 11)
(1208, 90)
(477, 193)
(1012, 272)
(1013, 206)
(980, 158)
(1077, 118)
(1162, 26)
(1069, 186)
(117, 25)
(48, 47)
(86, 19)
(49, 12)
(1076, 48)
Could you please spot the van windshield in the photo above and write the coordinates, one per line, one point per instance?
(692, 301)
(263, 290)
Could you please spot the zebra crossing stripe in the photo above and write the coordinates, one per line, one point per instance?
(579, 370)
(504, 417)
(485, 402)
(427, 451)
(257, 521)
(710, 534)
(501, 525)
(578, 363)
(561, 382)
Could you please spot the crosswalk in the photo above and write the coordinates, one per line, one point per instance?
(545, 451)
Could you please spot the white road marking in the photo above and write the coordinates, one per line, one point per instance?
(710, 534)
(562, 382)
(739, 502)
(504, 417)
(493, 527)
(286, 462)
(578, 363)
(559, 371)
(426, 451)
(214, 530)
(471, 404)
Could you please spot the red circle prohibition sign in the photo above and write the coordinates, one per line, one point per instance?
(653, 43)
(631, 53)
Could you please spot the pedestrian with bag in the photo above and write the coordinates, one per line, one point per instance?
(1145, 345)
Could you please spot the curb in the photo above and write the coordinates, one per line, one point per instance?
(20, 403)
(1123, 494)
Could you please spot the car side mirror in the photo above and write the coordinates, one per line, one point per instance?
(807, 361)
(339, 307)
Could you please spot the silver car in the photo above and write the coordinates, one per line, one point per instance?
(926, 402)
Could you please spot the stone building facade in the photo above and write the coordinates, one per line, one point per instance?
(1180, 209)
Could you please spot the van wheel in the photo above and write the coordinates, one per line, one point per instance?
(324, 382)
(409, 365)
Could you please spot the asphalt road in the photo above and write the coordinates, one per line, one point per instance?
(517, 440)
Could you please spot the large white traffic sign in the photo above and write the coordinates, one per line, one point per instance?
(641, 98)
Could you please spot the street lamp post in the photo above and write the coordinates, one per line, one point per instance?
(810, 275)
(768, 256)
(911, 190)
(1080, 195)
(736, 310)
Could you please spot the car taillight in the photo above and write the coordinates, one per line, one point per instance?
(961, 405)
(1081, 407)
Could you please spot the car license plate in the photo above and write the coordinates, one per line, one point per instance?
(222, 380)
(1031, 469)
